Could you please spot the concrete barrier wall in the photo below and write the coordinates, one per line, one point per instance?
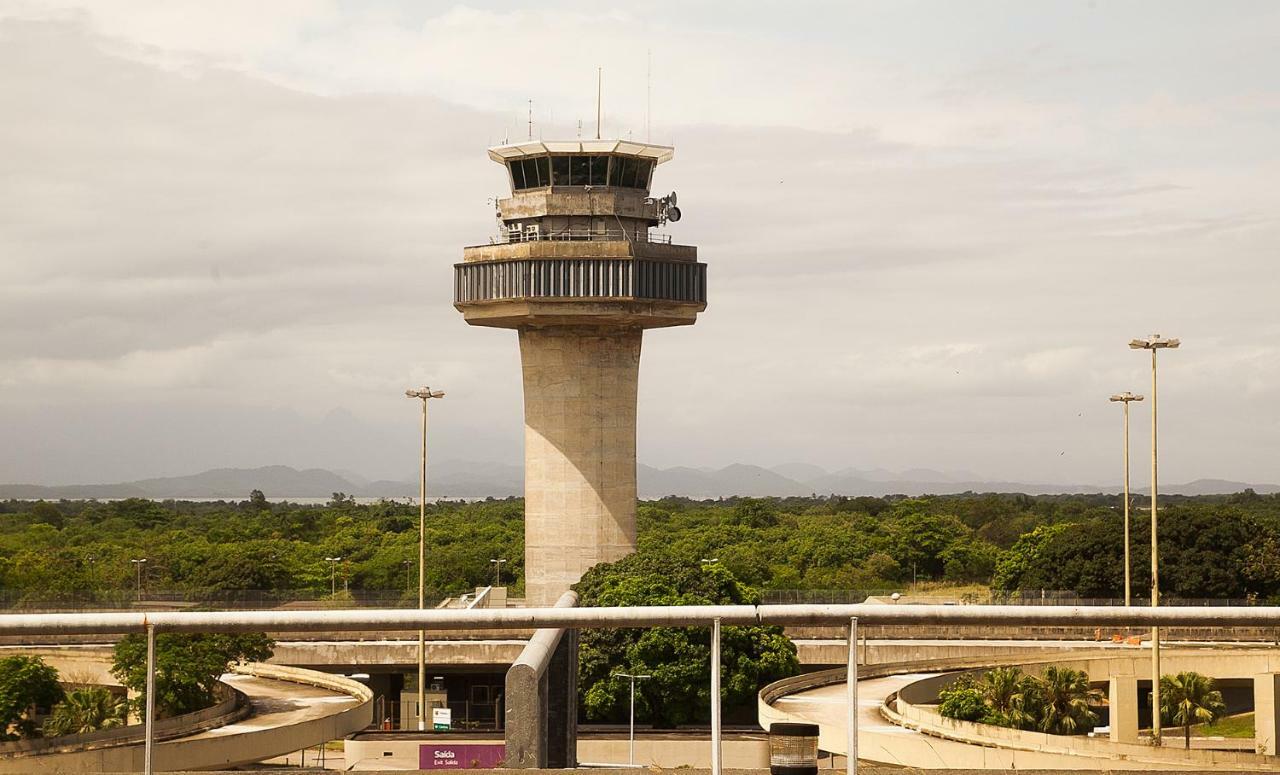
(242, 744)
(1218, 663)
(232, 707)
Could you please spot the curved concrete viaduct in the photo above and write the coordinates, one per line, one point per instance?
(289, 709)
(894, 731)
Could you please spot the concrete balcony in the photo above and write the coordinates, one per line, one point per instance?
(549, 283)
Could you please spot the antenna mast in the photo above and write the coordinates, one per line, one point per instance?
(530, 119)
(599, 93)
(648, 94)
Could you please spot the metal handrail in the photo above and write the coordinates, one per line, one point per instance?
(505, 237)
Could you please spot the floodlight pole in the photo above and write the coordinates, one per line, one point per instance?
(1153, 343)
(1125, 399)
(333, 575)
(631, 736)
(138, 564)
(425, 394)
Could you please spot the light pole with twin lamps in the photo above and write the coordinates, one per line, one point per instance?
(1154, 343)
(425, 394)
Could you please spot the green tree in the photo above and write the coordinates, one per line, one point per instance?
(1189, 698)
(258, 501)
(187, 665)
(677, 658)
(963, 700)
(1065, 698)
(1013, 698)
(755, 513)
(87, 709)
(25, 683)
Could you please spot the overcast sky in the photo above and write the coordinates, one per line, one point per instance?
(227, 230)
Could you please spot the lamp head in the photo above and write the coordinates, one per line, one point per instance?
(424, 393)
(1126, 397)
(1154, 342)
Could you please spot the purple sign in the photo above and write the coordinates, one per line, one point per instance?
(448, 756)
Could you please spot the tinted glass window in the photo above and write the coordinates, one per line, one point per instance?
(544, 171)
(580, 171)
(615, 172)
(644, 168)
(560, 168)
(628, 177)
(517, 174)
(599, 170)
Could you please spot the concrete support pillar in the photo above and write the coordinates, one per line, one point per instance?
(1122, 697)
(542, 700)
(1266, 721)
(562, 704)
(580, 452)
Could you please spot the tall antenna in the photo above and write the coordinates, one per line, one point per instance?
(530, 119)
(599, 94)
(648, 94)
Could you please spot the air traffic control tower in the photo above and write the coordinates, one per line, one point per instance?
(576, 270)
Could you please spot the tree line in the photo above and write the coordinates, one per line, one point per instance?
(1211, 547)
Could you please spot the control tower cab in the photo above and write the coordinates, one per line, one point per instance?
(578, 271)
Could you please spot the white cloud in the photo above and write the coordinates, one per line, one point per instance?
(950, 284)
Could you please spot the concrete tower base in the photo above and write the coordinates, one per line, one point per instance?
(580, 452)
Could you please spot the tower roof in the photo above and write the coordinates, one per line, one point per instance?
(505, 153)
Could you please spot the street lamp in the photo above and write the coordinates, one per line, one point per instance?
(333, 574)
(138, 564)
(425, 394)
(631, 757)
(712, 561)
(1154, 343)
(408, 568)
(1126, 398)
(497, 572)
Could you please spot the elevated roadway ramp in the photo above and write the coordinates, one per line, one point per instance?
(917, 737)
(289, 709)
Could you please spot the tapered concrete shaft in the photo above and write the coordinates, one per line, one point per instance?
(580, 452)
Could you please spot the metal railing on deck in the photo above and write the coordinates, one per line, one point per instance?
(506, 237)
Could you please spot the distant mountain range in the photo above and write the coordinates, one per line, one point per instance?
(461, 479)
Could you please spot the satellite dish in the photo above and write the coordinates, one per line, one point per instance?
(672, 198)
(673, 213)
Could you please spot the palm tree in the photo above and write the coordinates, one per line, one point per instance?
(1065, 698)
(1189, 698)
(87, 709)
(1011, 696)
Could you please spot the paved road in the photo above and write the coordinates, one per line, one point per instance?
(277, 704)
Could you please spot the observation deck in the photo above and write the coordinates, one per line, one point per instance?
(576, 246)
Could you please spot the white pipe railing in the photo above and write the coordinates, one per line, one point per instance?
(639, 616)
(385, 619)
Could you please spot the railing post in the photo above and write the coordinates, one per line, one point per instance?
(149, 716)
(715, 697)
(851, 697)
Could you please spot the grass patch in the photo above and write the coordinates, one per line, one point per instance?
(1238, 726)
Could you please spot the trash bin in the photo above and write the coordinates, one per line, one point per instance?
(793, 749)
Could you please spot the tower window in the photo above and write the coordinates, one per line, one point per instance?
(599, 170)
(530, 173)
(560, 170)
